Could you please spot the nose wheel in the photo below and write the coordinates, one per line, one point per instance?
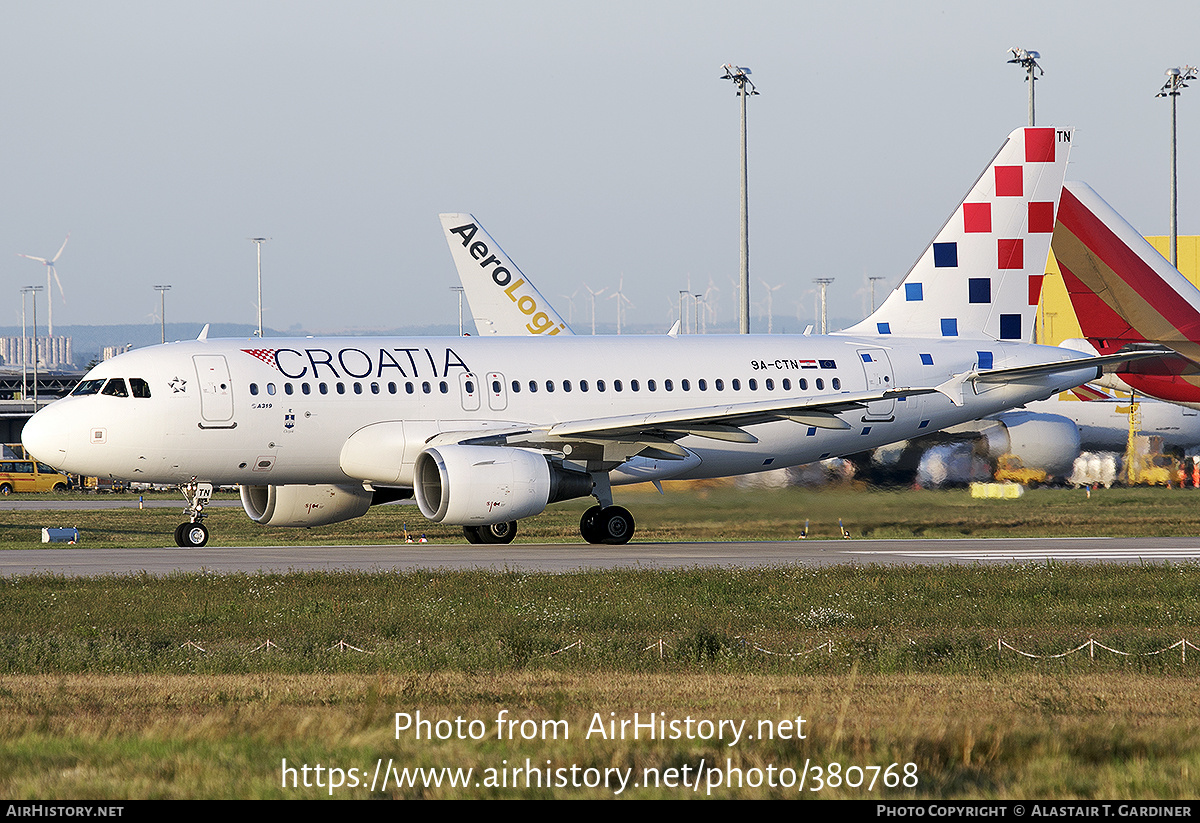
(612, 525)
(193, 534)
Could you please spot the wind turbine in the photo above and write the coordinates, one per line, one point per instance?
(594, 295)
(51, 271)
(770, 303)
(622, 301)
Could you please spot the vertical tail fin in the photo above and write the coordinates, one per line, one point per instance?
(502, 299)
(1122, 289)
(981, 277)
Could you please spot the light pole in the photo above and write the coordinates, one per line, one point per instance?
(258, 241)
(459, 289)
(24, 347)
(873, 279)
(823, 282)
(162, 314)
(34, 290)
(1176, 81)
(740, 76)
(1028, 61)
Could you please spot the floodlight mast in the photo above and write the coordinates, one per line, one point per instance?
(1176, 82)
(258, 241)
(34, 290)
(1027, 60)
(824, 282)
(162, 295)
(740, 75)
(459, 289)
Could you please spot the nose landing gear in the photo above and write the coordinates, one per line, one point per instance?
(194, 534)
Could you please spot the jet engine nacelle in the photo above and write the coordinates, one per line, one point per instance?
(1044, 441)
(304, 505)
(482, 485)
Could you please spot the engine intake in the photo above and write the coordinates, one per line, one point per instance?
(482, 485)
(304, 505)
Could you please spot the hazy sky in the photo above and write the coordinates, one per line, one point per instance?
(594, 141)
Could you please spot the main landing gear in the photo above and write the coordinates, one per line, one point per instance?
(612, 525)
(194, 534)
(495, 533)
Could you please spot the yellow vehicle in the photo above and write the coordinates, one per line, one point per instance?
(1010, 468)
(17, 475)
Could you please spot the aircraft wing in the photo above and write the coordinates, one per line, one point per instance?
(618, 438)
(1017, 372)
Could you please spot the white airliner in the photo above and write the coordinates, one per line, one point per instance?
(486, 431)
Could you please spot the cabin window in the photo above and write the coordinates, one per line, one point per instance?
(651, 385)
(616, 385)
(770, 384)
(305, 388)
(702, 384)
(787, 384)
(837, 383)
(374, 388)
(341, 388)
(516, 386)
(425, 387)
(357, 388)
(820, 384)
(803, 384)
(737, 384)
(549, 385)
(253, 389)
(720, 384)
(600, 385)
(323, 388)
(583, 386)
(392, 388)
(753, 384)
(270, 388)
(669, 385)
(566, 385)
(635, 385)
(287, 388)
(444, 387)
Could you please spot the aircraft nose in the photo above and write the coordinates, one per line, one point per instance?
(45, 437)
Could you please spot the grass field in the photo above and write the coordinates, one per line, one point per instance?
(687, 512)
(125, 687)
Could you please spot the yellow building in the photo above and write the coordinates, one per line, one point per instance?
(1056, 318)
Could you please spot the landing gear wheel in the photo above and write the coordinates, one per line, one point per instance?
(472, 534)
(613, 525)
(589, 525)
(616, 525)
(191, 535)
(498, 532)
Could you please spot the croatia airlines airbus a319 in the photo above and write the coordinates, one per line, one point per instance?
(486, 431)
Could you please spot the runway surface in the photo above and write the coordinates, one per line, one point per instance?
(75, 561)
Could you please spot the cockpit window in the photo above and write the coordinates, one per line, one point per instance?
(116, 388)
(87, 387)
(139, 387)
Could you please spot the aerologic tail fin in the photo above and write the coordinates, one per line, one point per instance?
(501, 298)
(1122, 289)
(981, 277)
